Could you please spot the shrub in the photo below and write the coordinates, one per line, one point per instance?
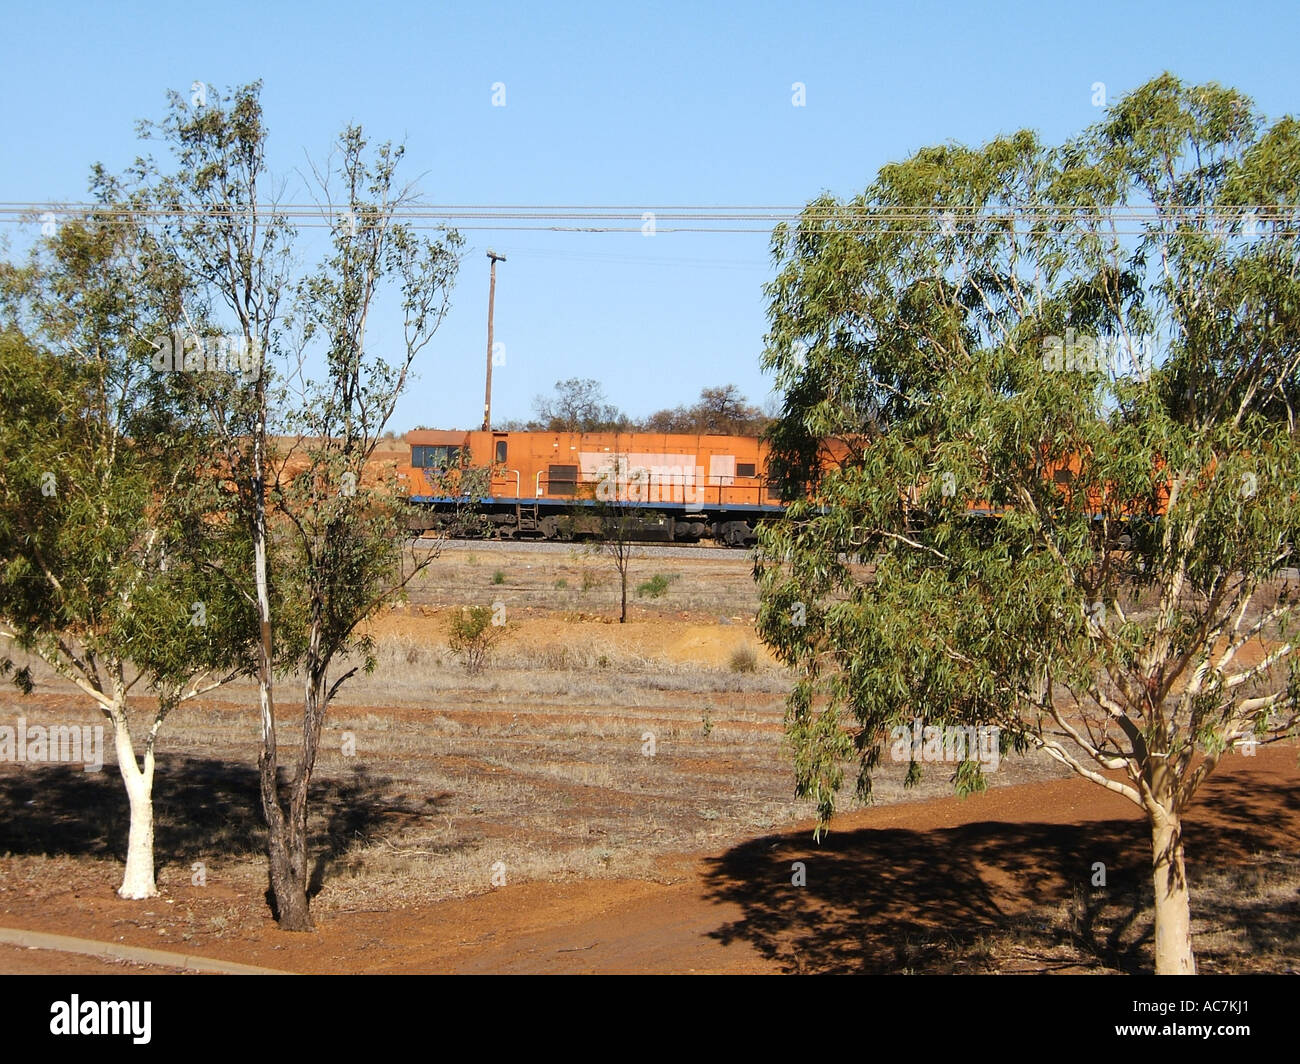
(498, 577)
(743, 659)
(472, 635)
(655, 586)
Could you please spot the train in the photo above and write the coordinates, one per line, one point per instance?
(670, 488)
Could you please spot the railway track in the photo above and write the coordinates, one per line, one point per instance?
(525, 546)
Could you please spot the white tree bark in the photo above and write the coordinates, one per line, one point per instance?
(138, 880)
(1173, 933)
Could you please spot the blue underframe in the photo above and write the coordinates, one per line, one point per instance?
(569, 504)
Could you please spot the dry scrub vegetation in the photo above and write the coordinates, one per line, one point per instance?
(428, 776)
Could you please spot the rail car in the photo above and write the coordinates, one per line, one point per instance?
(550, 485)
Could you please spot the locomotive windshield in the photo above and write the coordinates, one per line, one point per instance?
(434, 457)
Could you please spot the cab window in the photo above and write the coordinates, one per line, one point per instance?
(434, 457)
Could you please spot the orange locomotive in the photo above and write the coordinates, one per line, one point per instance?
(548, 485)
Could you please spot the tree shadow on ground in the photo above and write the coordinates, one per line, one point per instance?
(967, 897)
(204, 809)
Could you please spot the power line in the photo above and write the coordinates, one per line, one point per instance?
(901, 220)
(715, 210)
(333, 216)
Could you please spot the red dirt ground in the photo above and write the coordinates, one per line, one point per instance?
(887, 875)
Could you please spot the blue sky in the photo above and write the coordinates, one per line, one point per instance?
(647, 104)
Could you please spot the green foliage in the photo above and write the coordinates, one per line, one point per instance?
(974, 499)
(969, 779)
(21, 676)
(109, 562)
(472, 636)
(498, 577)
(656, 586)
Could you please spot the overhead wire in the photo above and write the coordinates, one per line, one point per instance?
(851, 220)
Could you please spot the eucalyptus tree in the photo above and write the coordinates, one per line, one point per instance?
(1043, 398)
(110, 573)
(342, 515)
(220, 227)
(325, 530)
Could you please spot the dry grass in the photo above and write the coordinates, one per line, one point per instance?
(703, 587)
(541, 762)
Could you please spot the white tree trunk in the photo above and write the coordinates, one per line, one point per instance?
(138, 882)
(1174, 954)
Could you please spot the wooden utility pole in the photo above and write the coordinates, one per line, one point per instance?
(492, 295)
